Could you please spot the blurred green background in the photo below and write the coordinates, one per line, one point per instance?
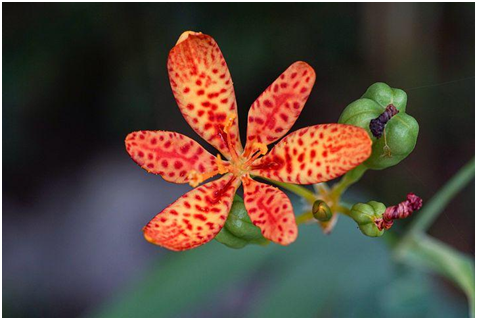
(77, 78)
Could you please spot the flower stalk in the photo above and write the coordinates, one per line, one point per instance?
(350, 178)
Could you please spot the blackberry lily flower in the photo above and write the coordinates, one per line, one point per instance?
(203, 89)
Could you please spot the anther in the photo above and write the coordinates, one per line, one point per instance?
(260, 149)
(226, 137)
(220, 165)
(195, 178)
(229, 123)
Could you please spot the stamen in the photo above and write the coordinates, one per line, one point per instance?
(228, 125)
(260, 149)
(197, 178)
(220, 165)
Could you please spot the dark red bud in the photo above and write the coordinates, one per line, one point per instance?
(399, 211)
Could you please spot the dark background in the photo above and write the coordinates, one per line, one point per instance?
(77, 78)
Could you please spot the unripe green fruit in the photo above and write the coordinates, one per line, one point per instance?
(239, 230)
(401, 130)
(364, 214)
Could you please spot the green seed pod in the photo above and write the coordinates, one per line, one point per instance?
(321, 211)
(231, 241)
(400, 131)
(364, 214)
(239, 230)
(239, 223)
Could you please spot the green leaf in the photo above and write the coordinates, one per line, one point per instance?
(418, 249)
(439, 201)
(181, 281)
(343, 275)
(428, 253)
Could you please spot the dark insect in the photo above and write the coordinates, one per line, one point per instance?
(399, 211)
(377, 125)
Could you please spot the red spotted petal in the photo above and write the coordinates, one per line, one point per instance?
(203, 89)
(278, 107)
(195, 218)
(172, 155)
(271, 211)
(315, 154)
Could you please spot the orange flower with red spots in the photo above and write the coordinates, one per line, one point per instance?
(203, 89)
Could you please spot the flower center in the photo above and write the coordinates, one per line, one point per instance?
(241, 166)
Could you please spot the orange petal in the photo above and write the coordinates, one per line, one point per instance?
(172, 155)
(195, 218)
(203, 89)
(315, 154)
(271, 211)
(278, 107)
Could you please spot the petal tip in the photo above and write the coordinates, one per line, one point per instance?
(149, 238)
(146, 235)
(289, 239)
(185, 35)
(130, 136)
(302, 65)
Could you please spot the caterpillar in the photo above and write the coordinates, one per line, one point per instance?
(377, 125)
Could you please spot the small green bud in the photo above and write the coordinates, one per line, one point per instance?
(400, 131)
(239, 230)
(365, 214)
(321, 211)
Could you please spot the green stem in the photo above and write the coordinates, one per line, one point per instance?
(344, 210)
(296, 189)
(439, 201)
(304, 217)
(348, 179)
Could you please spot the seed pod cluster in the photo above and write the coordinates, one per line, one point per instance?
(382, 112)
(365, 215)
